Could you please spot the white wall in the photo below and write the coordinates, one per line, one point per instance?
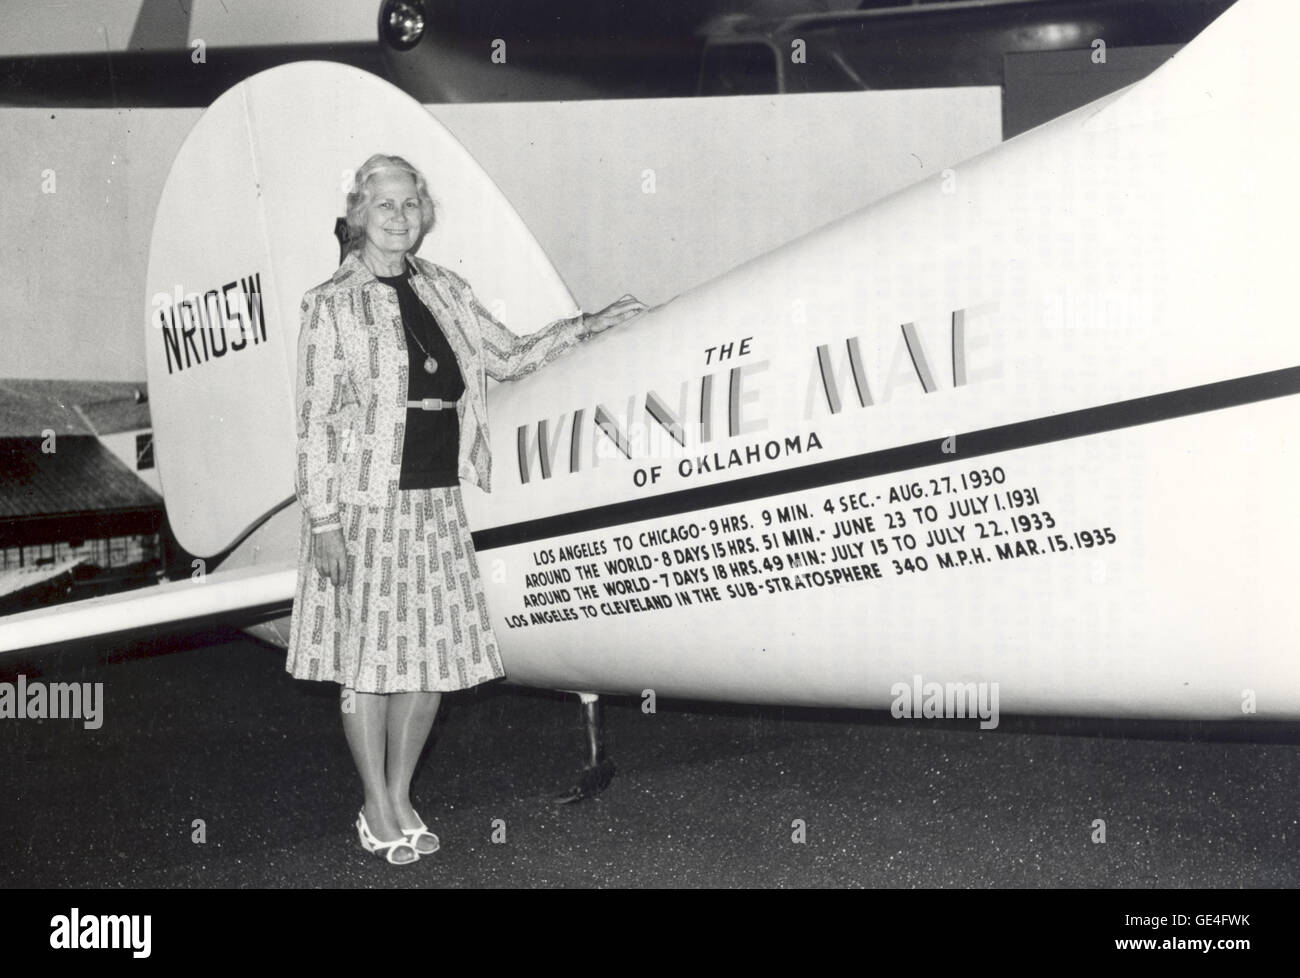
(95, 26)
(733, 178)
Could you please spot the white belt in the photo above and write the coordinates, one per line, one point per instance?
(433, 404)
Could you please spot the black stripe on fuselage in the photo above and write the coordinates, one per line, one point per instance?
(1020, 434)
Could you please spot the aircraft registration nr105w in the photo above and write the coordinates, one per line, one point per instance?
(199, 328)
(1028, 423)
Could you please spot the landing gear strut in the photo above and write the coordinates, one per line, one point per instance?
(599, 770)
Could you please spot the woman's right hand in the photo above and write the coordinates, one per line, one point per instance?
(329, 555)
(613, 314)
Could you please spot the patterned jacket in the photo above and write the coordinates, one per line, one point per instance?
(353, 381)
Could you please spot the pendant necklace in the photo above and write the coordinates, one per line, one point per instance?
(430, 364)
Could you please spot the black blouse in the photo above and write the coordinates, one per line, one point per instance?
(432, 441)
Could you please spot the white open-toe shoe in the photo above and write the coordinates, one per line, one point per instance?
(385, 849)
(414, 835)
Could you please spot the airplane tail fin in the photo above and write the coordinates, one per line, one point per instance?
(244, 227)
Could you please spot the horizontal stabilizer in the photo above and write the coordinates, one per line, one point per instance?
(247, 590)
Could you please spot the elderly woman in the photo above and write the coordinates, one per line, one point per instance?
(392, 416)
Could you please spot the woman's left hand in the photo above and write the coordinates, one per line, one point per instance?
(613, 314)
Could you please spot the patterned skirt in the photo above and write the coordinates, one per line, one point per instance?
(411, 614)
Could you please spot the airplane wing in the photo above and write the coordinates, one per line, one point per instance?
(251, 592)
